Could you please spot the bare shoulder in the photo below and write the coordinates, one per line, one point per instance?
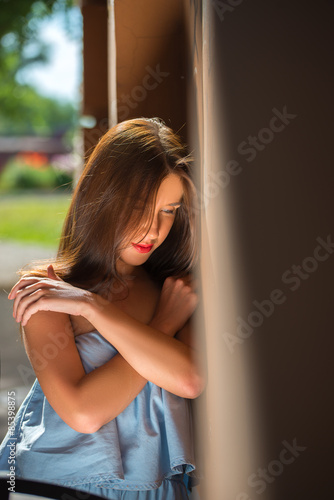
(52, 351)
(48, 335)
(44, 321)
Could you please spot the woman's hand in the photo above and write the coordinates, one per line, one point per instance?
(32, 294)
(177, 303)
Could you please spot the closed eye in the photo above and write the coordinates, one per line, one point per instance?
(170, 211)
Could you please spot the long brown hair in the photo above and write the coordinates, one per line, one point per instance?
(129, 163)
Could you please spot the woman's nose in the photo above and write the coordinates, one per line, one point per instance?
(154, 229)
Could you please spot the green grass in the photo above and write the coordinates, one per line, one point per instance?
(33, 218)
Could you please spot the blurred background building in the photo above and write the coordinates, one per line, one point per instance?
(248, 85)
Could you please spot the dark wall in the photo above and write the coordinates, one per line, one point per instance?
(150, 64)
(151, 61)
(95, 70)
(270, 57)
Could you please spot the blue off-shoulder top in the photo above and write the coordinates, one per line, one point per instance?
(150, 441)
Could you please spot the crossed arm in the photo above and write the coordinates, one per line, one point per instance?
(146, 352)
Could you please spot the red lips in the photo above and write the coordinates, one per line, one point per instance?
(142, 248)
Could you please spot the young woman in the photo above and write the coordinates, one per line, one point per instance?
(107, 328)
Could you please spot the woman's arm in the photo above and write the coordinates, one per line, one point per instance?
(80, 399)
(84, 401)
(150, 349)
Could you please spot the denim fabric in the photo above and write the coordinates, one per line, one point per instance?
(170, 489)
(149, 443)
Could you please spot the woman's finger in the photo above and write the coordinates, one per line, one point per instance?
(31, 283)
(52, 274)
(38, 305)
(23, 282)
(14, 289)
(191, 281)
(27, 290)
(26, 302)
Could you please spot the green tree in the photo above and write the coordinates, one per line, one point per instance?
(21, 17)
(22, 109)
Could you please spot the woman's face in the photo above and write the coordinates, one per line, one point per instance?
(168, 200)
